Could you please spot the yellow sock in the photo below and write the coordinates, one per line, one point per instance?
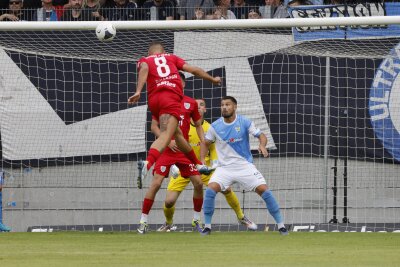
(169, 214)
(233, 201)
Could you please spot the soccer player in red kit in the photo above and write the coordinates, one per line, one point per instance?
(171, 156)
(165, 93)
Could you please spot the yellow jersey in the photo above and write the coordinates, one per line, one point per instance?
(194, 141)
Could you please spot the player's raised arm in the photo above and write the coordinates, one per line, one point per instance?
(143, 73)
(199, 72)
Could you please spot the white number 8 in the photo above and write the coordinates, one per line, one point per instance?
(162, 67)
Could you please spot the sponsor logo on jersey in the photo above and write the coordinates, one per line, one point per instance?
(167, 83)
(233, 140)
(384, 103)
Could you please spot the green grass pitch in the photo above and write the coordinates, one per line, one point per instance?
(190, 249)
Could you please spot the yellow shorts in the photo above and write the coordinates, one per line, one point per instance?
(180, 183)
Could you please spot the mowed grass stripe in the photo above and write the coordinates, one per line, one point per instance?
(190, 249)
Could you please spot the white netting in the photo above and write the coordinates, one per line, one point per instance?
(70, 143)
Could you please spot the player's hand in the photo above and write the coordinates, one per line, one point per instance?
(217, 80)
(263, 151)
(133, 99)
(172, 145)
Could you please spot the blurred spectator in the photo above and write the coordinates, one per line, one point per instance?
(210, 14)
(240, 9)
(199, 14)
(93, 8)
(158, 10)
(75, 12)
(121, 10)
(254, 14)
(274, 9)
(188, 8)
(46, 12)
(222, 10)
(299, 3)
(14, 12)
(59, 7)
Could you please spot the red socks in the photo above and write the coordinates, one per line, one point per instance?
(197, 204)
(152, 157)
(147, 204)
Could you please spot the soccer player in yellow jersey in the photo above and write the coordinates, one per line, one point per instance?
(176, 186)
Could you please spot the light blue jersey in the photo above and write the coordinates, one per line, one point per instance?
(232, 140)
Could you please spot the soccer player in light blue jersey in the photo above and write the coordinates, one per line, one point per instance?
(230, 133)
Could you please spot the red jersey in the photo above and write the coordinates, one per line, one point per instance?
(189, 110)
(163, 73)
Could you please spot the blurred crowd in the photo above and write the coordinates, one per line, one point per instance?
(89, 10)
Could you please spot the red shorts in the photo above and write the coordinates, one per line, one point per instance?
(165, 102)
(168, 158)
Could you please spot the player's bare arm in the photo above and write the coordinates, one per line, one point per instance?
(199, 72)
(199, 129)
(143, 73)
(204, 148)
(263, 143)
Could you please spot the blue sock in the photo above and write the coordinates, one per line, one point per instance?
(1, 208)
(209, 205)
(272, 206)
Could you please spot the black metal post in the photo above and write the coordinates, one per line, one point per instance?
(345, 219)
(334, 188)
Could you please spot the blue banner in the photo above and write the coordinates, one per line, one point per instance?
(345, 32)
(384, 103)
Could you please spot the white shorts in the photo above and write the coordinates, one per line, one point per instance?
(246, 175)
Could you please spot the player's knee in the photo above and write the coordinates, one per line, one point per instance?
(198, 185)
(261, 189)
(169, 203)
(214, 186)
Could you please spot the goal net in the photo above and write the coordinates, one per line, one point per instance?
(329, 106)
